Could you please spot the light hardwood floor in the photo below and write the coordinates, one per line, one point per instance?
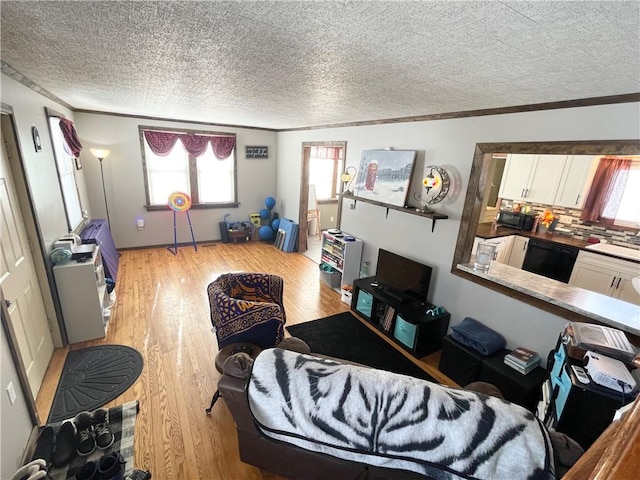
(162, 310)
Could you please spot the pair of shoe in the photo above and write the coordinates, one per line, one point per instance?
(109, 467)
(93, 431)
(56, 449)
(79, 436)
(34, 470)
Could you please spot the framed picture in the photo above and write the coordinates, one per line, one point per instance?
(257, 152)
(384, 175)
(78, 163)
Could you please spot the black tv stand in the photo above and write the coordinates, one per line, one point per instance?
(400, 317)
(397, 296)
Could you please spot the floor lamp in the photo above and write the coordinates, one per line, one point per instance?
(101, 155)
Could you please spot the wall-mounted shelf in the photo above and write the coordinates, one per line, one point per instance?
(412, 211)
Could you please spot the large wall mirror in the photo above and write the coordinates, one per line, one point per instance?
(487, 159)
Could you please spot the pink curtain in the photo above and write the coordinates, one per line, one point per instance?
(194, 144)
(606, 190)
(161, 143)
(223, 146)
(70, 136)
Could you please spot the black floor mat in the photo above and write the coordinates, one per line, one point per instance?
(92, 377)
(344, 336)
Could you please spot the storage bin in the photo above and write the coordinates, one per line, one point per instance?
(331, 279)
(364, 303)
(458, 362)
(405, 332)
(347, 295)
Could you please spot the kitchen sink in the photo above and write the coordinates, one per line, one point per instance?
(624, 252)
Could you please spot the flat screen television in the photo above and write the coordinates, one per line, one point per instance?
(403, 277)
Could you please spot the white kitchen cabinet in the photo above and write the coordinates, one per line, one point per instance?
(342, 255)
(515, 176)
(518, 251)
(83, 297)
(532, 178)
(606, 275)
(576, 180)
(503, 247)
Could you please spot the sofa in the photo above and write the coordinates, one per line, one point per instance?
(305, 416)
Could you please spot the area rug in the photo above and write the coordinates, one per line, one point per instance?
(344, 336)
(92, 377)
(122, 421)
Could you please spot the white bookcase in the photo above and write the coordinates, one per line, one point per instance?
(342, 255)
(83, 296)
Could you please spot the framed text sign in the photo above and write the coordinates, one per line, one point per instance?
(257, 152)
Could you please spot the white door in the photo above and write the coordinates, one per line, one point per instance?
(20, 285)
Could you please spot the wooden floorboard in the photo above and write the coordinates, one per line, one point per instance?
(162, 310)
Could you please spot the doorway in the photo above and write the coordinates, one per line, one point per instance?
(320, 188)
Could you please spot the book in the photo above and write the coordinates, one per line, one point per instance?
(388, 318)
(520, 368)
(524, 357)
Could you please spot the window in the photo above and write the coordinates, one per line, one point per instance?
(324, 165)
(65, 164)
(200, 164)
(628, 213)
(613, 198)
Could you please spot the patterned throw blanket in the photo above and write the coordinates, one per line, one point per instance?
(389, 420)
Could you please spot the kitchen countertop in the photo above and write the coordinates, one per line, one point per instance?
(487, 230)
(607, 310)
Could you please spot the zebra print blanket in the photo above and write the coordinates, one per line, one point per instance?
(394, 421)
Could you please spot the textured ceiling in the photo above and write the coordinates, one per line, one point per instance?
(278, 64)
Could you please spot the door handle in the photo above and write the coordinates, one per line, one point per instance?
(577, 199)
(7, 303)
(618, 284)
(613, 280)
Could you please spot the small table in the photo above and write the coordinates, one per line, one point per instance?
(226, 352)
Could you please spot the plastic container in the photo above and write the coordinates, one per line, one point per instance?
(346, 296)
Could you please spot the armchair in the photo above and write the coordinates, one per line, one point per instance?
(246, 308)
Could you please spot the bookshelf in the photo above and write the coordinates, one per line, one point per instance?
(343, 255)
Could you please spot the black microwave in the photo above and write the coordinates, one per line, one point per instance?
(520, 221)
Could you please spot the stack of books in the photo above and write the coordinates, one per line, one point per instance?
(522, 359)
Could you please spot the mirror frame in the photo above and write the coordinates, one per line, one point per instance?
(473, 204)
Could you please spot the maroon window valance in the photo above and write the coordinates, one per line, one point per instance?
(70, 136)
(161, 143)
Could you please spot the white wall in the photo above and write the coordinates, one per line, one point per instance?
(124, 181)
(451, 143)
(15, 421)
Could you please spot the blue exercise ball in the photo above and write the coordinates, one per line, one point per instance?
(265, 232)
(275, 224)
(270, 202)
(264, 213)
